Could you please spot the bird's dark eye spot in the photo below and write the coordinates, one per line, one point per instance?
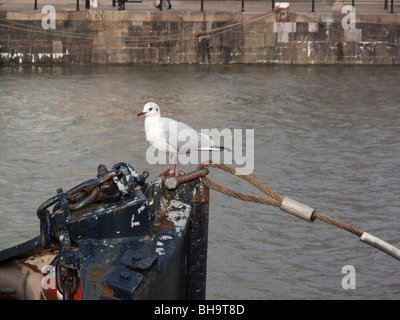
(156, 109)
(150, 109)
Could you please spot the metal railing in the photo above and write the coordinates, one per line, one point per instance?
(87, 5)
(312, 3)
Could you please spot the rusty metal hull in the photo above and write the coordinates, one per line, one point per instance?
(153, 246)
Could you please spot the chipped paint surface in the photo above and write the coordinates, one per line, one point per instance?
(133, 222)
(126, 240)
(139, 211)
(165, 238)
(178, 213)
(141, 208)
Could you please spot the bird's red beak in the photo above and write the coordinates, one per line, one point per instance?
(141, 113)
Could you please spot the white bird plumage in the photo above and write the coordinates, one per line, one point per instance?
(173, 137)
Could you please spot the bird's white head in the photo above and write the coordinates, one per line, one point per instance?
(150, 109)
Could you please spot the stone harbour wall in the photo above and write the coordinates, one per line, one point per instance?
(120, 37)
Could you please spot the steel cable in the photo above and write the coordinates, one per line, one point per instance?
(277, 200)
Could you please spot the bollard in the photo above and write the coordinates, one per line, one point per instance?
(172, 183)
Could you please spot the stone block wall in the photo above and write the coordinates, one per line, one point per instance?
(199, 38)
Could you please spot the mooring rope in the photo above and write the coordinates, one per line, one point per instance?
(291, 206)
(338, 224)
(276, 198)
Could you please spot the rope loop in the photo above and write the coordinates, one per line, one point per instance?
(276, 198)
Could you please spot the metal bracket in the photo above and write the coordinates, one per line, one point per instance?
(61, 223)
(123, 282)
(138, 260)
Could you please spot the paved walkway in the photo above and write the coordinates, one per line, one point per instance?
(208, 5)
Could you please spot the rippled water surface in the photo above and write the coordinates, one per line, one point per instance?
(328, 136)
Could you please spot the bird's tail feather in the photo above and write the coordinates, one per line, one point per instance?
(214, 148)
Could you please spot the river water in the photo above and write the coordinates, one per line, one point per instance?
(327, 136)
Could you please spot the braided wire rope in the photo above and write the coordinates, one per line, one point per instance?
(276, 197)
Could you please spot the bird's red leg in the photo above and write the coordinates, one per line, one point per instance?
(166, 173)
(176, 160)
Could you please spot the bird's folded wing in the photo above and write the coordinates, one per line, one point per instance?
(184, 138)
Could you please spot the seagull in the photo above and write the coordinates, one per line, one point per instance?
(173, 137)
